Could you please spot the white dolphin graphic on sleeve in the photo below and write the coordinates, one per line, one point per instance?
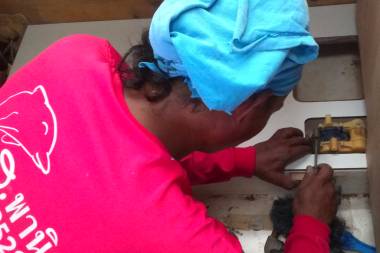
(17, 125)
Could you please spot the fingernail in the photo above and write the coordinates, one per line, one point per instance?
(309, 170)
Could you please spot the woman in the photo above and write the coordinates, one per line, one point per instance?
(99, 153)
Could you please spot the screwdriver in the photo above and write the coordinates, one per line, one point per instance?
(316, 142)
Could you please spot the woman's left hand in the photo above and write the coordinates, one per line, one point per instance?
(273, 155)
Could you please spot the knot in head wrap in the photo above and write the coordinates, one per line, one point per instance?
(228, 50)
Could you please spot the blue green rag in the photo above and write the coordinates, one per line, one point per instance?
(228, 50)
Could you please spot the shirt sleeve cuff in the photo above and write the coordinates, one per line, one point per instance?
(304, 224)
(245, 161)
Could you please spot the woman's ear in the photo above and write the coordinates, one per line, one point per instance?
(197, 106)
(257, 102)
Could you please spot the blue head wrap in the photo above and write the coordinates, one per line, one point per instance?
(228, 50)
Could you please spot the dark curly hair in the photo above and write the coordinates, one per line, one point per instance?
(282, 215)
(156, 86)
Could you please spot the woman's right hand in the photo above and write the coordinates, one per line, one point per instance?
(316, 195)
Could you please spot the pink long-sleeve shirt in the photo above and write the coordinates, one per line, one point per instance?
(80, 174)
